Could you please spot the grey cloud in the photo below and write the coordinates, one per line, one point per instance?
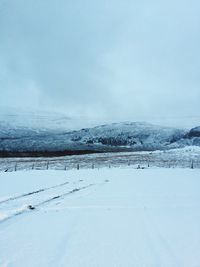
(122, 59)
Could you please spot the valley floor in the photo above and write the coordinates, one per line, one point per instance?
(186, 157)
(108, 217)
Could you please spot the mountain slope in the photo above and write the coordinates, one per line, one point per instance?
(127, 136)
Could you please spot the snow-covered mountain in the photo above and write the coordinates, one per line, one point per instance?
(192, 137)
(125, 136)
(194, 132)
(32, 119)
(44, 133)
(137, 135)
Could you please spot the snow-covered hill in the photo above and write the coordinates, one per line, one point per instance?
(126, 136)
(137, 135)
(50, 134)
(33, 119)
(194, 132)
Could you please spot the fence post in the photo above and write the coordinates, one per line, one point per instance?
(93, 166)
(15, 166)
(78, 167)
(47, 165)
(33, 166)
(192, 164)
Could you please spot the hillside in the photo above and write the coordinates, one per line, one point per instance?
(125, 136)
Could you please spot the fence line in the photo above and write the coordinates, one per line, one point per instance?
(139, 164)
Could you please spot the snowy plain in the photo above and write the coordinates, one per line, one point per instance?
(173, 158)
(118, 217)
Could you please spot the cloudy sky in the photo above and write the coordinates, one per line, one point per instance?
(116, 59)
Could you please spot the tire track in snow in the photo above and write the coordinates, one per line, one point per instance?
(160, 244)
(32, 193)
(149, 242)
(26, 209)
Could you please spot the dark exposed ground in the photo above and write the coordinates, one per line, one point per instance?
(44, 153)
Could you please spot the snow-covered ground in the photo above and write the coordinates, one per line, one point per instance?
(109, 217)
(182, 157)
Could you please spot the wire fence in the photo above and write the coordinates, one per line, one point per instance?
(56, 164)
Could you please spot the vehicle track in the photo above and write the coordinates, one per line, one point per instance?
(32, 193)
(164, 248)
(49, 200)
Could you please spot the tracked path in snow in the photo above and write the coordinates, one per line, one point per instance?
(42, 203)
(160, 249)
(32, 193)
(138, 218)
(17, 205)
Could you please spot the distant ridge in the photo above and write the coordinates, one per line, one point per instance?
(124, 136)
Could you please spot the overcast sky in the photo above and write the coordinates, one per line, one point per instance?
(116, 59)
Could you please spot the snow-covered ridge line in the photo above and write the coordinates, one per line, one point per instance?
(114, 137)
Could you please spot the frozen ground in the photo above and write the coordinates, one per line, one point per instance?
(98, 218)
(181, 157)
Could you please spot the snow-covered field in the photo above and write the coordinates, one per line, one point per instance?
(173, 158)
(109, 217)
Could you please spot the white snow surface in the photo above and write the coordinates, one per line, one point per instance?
(109, 217)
